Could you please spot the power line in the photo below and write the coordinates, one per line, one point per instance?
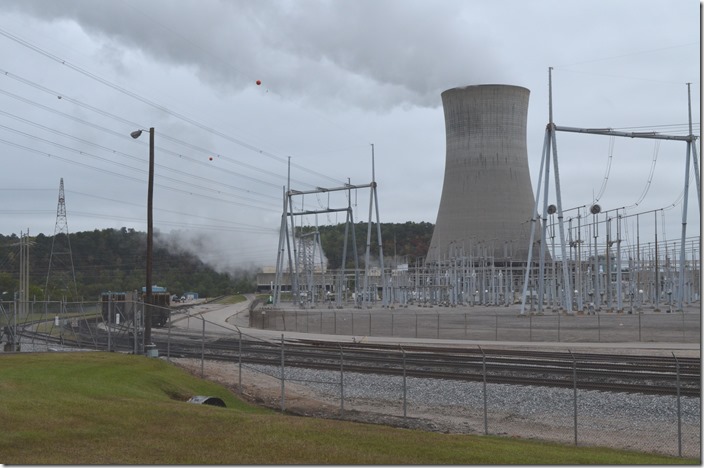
(132, 124)
(51, 155)
(110, 161)
(631, 54)
(158, 106)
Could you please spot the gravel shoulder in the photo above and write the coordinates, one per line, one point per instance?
(636, 422)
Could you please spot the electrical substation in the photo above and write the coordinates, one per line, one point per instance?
(496, 241)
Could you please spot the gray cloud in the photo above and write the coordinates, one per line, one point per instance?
(370, 54)
(337, 75)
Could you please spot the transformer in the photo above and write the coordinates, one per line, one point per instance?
(487, 198)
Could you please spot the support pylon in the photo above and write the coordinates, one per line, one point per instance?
(61, 276)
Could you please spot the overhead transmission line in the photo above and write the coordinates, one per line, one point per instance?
(130, 124)
(71, 161)
(190, 216)
(670, 128)
(110, 161)
(608, 169)
(648, 183)
(129, 156)
(156, 105)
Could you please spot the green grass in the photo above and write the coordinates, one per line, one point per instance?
(100, 408)
(233, 299)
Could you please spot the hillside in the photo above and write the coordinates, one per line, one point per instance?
(403, 241)
(115, 260)
(109, 260)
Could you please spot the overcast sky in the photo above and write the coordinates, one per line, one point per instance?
(77, 76)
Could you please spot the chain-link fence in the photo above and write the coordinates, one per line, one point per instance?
(658, 424)
(477, 324)
(668, 424)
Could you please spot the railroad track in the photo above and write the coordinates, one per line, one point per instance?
(613, 373)
(604, 372)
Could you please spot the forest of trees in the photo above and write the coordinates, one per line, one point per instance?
(405, 242)
(115, 260)
(109, 260)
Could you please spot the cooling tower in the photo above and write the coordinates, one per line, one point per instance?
(487, 198)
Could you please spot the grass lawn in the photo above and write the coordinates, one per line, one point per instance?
(111, 408)
(233, 299)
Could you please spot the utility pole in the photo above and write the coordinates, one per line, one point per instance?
(150, 239)
(150, 243)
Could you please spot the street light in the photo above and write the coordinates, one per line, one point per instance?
(150, 238)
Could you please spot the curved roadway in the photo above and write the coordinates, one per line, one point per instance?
(234, 318)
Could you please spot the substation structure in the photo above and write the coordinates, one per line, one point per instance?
(301, 268)
(583, 263)
(678, 285)
(602, 277)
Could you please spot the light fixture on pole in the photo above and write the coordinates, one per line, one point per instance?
(150, 238)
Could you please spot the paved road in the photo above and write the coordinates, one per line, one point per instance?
(218, 318)
(232, 318)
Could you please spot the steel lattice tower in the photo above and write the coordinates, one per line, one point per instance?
(61, 276)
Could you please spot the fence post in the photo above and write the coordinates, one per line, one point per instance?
(574, 379)
(240, 361)
(558, 327)
(438, 334)
(202, 349)
(679, 408)
(496, 328)
(465, 325)
(639, 332)
(46, 313)
(416, 324)
(530, 327)
(135, 317)
(14, 323)
(283, 390)
(334, 320)
(486, 422)
(168, 341)
(598, 326)
(370, 324)
(342, 382)
(321, 322)
(108, 321)
(403, 353)
(392, 324)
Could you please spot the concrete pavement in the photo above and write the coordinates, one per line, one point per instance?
(232, 318)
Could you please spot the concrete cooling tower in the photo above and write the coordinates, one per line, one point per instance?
(487, 198)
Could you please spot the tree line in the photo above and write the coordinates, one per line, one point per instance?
(108, 260)
(401, 242)
(115, 260)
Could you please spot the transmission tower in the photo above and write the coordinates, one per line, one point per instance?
(60, 276)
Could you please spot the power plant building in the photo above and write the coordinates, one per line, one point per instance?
(487, 198)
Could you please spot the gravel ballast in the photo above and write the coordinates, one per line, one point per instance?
(621, 420)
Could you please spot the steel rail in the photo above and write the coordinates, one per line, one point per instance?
(606, 372)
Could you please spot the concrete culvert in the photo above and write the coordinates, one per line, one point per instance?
(207, 400)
